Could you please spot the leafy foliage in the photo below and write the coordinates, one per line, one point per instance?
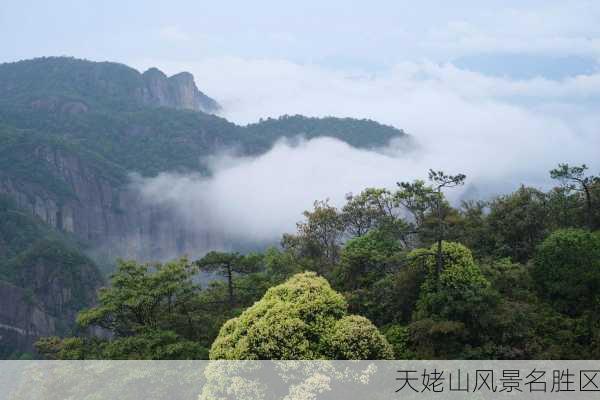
(57, 277)
(573, 178)
(228, 265)
(520, 222)
(302, 318)
(515, 277)
(352, 131)
(567, 270)
(150, 312)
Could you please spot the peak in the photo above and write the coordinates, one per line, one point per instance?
(153, 71)
(177, 91)
(183, 76)
(63, 80)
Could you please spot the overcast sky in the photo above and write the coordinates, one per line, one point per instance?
(368, 35)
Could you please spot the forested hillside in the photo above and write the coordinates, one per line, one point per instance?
(70, 85)
(516, 277)
(36, 97)
(71, 132)
(44, 280)
(391, 274)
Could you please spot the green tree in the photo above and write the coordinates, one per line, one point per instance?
(565, 209)
(472, 229)
(367, 275)
(280, 265)
(460, 290)
(440, 182)
(567, 270)
(319, 237)
(364, 259)
(360, 214)
(355, 338)
(370, 209)
(392, 299)
(428, 200)
(149, 311)
(229, 265)
(453, 309)
(399, 338)
(518, 222)
(143, 296)
(146, 345)
(299, 319)
(573, 178)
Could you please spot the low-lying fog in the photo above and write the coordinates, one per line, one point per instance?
(498, 131)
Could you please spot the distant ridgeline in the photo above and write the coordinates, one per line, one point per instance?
(70, 133)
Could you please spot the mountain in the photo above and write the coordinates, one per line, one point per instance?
(72, 130)
(71, 133)
(69, 85)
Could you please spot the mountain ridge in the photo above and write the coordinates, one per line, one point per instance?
(74, 86)
(71, 132)
(70, 168)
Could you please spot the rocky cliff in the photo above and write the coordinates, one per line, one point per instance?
(178, 91)
(73, 130)
(111, 217)
(42, 289)
(21, 320)
(72, 133)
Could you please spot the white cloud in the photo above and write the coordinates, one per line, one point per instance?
(260, 198)
(254, 88)
(463, 122)
(559, 28)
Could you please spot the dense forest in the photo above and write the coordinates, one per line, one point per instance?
(299, 200)
(400, 273)
(98, 110)
(72, 132)
(392, 274)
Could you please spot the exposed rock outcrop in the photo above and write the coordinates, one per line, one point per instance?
(51, 284)
(71, 86)
(112, 218)
(70, 131)
(22, 321)
(178, 91)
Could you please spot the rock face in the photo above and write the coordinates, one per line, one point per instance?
(112, 218)
(51, 284)
(21, 320)
(70, 131)
(178, 91)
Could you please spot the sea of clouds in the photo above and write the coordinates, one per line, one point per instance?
(499, 131)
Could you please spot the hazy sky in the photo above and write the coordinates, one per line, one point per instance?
(369, 35)
(499, 90)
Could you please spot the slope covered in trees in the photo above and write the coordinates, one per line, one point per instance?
(71, 132)
(437, 281)
(45, 279)
(515, 277)
(113, 122)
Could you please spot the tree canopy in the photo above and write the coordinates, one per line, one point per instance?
(303, 318)
(392, 273)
